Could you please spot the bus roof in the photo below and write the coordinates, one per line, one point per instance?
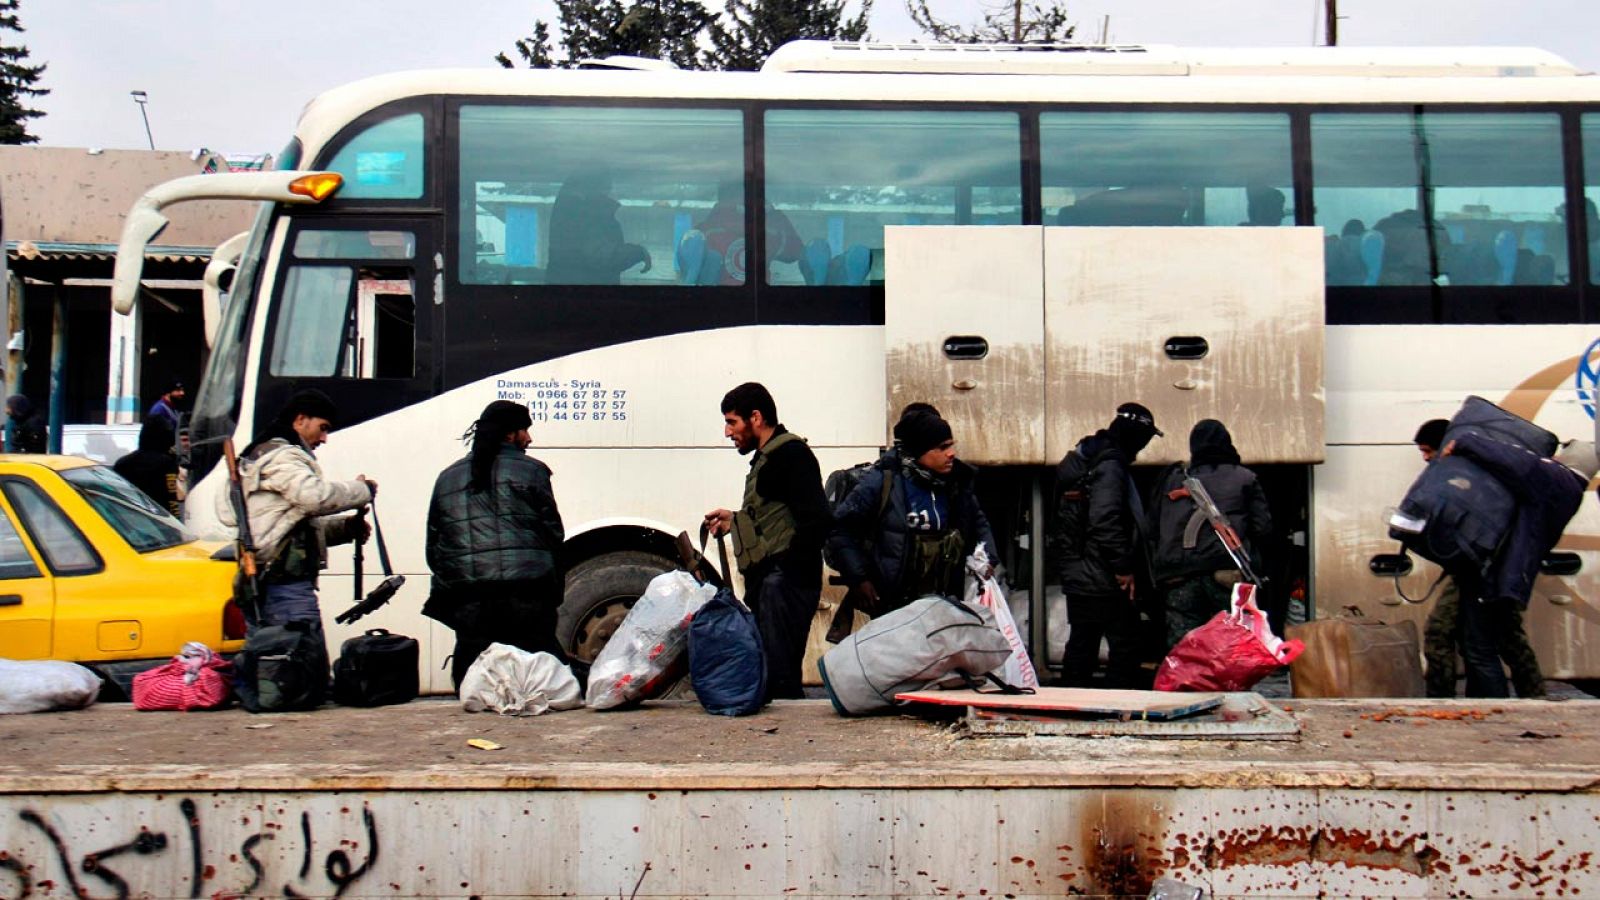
(822, 71)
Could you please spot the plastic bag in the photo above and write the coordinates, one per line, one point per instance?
(1231, 652)
(984, 591)
(646, 654)
(42, 685)
(513, 682)
(726, 660)
(194, 679)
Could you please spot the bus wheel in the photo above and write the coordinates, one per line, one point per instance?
(600, 591)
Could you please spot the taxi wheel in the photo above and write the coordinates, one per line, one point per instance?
(599, 593)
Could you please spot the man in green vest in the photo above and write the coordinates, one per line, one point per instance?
(777, 533)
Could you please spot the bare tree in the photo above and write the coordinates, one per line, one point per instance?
(1004, 21)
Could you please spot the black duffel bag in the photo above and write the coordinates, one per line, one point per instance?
(376, 669)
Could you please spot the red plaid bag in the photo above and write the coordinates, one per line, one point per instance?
(195, 679)
(1231, 652)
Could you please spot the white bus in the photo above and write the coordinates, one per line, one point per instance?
(580, 241)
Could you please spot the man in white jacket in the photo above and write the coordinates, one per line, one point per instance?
(293, 507)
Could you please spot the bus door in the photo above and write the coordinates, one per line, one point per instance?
(355, 314)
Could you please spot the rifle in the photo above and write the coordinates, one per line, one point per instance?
(248, 593)
(385, 591)
(1219, 523)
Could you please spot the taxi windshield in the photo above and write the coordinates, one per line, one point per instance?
(128, 510)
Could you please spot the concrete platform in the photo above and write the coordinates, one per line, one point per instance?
(1445, 798)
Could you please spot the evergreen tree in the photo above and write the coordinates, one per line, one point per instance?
(757, 27)
(18, 82)
(594, 29)
(1004, 22)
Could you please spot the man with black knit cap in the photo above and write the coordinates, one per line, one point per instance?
(778, 532)
(493, 535)
(906, 529)
(293, 508)
(1095, 547)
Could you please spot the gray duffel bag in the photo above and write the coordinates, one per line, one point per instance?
(911, 648)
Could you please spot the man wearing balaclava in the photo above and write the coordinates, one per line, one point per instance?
(1095, 548)
(1191, 566)
(908, 526)
(493, 534)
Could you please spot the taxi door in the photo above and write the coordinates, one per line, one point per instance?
(27, 595)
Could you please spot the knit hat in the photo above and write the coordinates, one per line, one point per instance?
(309, 402)
(920, 432)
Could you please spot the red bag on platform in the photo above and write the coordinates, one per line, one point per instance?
(1231, 652)
(195, 679)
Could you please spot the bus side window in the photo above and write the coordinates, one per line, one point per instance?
(836, 177)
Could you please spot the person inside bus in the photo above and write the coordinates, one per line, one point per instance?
(723, 228)
(1190, 563)
(294, 510)
(778, 531)
(1096, 548)
(586, 240)
(493, 532)
(1441, 634)
(1263, 206)
(908, 526)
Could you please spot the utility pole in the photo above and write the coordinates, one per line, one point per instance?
(1331, 15)
(1016, 22)
(141, 98)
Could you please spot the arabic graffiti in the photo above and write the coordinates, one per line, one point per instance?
(103, 866)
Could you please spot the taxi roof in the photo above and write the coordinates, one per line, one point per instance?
(58, 462)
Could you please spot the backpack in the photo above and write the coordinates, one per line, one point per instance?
(376, 669)
(909, 649)
(841, 484)
(283, 668)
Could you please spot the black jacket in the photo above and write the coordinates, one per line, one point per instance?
(858, 523)
(1236, 492)
(154, 471)
(792, 476)
(1095, 538)
(510, 532)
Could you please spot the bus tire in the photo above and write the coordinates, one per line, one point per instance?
(599, 593)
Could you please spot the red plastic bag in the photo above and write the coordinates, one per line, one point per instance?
(1231, 652)
(195, 679)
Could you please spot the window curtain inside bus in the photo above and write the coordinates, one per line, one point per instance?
(1166, 168)
(1413, 198)
(601, 195)
(1591, 192)
(835, 178)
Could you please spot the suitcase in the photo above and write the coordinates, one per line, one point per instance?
(376, 669)
(1353, 656)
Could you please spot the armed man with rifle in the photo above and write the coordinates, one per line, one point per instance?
(1210, 521)
(291, 512)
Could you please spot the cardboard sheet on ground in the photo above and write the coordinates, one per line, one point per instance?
(1064, 701)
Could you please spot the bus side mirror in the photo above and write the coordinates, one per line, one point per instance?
(1390, 565)
(1561, 564)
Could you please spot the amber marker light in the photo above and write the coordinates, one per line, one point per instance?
(317, 186)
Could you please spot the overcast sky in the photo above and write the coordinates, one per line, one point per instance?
(234, 76)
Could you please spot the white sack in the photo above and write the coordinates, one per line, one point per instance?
(513, 682)
(42, 685)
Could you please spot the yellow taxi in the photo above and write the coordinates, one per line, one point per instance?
(94, 571)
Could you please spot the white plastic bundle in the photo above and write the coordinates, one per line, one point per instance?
(42, 685)
(513, 682)
(648, 651)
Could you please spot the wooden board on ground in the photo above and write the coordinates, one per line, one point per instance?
(1148, 705)
(1242, 716)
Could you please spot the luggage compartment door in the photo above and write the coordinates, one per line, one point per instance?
(964, 330)
(1195, 323)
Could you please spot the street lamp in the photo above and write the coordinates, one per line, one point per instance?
(141, 98)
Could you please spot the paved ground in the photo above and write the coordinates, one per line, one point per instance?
(432, 734)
